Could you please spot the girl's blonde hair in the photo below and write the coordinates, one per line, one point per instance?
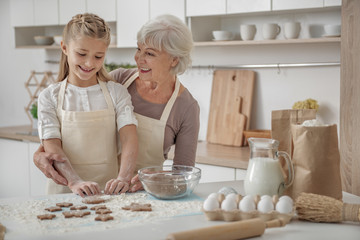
(84, 25)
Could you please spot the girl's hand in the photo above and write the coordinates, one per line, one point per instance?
(136, 184)
(85, 188)
(117, 185)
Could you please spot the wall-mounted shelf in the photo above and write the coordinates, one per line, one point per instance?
(226, 43)
(268, 42)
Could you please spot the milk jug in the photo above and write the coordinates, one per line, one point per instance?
(264, 175)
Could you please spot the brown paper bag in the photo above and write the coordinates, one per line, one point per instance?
(281, 121)
(316, 160)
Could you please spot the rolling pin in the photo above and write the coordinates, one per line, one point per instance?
(234, 230)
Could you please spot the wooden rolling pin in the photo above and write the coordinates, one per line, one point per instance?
(234, 230)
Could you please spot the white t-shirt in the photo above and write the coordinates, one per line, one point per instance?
(82, 99)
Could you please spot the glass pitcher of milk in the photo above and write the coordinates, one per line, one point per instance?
(265, 175)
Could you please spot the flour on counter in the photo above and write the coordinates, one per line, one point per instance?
(22, 216)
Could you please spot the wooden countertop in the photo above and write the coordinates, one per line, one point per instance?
(220, 155)
(20, 133)
(207, 153)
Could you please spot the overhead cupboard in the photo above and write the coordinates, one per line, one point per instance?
(48, 17)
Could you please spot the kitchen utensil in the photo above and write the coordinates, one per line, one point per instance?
(235, 230)
(44, 40)
(169, 181)
(264, 175)
(320, 208)
(292, 30)
(58, 39)
(247, 31)
(230, 106)
(256, 133)
(270, 30)
(222, 35)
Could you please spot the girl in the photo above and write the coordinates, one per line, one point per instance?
(79, 116)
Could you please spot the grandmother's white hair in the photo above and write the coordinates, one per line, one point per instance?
(169, 33)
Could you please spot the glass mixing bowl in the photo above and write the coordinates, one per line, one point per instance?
(169, 181)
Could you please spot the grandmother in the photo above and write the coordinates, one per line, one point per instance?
(167, 113)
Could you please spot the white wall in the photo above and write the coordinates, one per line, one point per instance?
(274, 90)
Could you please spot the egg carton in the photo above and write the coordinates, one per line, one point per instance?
(238, 215)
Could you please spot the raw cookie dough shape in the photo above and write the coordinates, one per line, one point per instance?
(46, 216)
(64, 204)
(98, 207)
(103, 211)
(93, 200)
(138, 207)
(80, 207)
(104, 217)
(75, 213)
(53, 209)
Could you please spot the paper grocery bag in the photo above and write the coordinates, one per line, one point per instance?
(281, 121)
(316, 160)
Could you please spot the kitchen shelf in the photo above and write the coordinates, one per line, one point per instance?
(227, 43)
(56, 47)
(269, 42)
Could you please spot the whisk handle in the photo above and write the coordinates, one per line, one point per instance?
(351, 212)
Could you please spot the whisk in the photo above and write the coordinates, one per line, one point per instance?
(319, 208)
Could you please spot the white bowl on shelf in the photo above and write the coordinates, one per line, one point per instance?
(222, 35)
(44, 40)
(58, 39)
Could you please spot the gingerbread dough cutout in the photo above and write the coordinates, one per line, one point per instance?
(93, 200)
(103, 211)
(46, 216)
(138, 207)
(53, 209)
(64, 204)
(76, 213)
(98, 207)
(80, 207)
(104, 217)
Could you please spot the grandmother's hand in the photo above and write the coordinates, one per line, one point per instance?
(136, 184)
(44, 161)
(117, 185)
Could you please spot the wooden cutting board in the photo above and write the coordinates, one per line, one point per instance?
(230, 106)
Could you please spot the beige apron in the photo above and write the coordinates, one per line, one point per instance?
(89, 141)
(151, 132)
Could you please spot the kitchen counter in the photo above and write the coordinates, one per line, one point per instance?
(295, 230)
(207, 153)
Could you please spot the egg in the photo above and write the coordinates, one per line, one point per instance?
(247, 204)
(232, 196)
(228, 204)
(211, 203)
(215, 195)
(265, 205)
(284, 206)
(287, 198)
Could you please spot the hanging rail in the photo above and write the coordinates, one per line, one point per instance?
(273, 65)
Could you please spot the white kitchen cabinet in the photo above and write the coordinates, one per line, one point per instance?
(296, 4)
(69, 8)
(173, 7)
(105, 9)
(240, 174)
(331, 3)
(37, 178)
(205, 7)
(14, 169)
(211, 173)
(131, 15)
(46, 12)
(26, 8)
(245, 6)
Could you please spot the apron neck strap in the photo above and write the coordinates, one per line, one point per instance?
(170, 103)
